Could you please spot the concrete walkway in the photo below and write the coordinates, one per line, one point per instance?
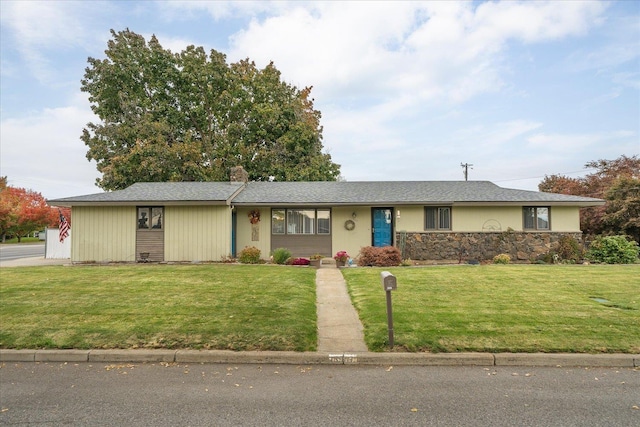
(33, 262)
(339, 327)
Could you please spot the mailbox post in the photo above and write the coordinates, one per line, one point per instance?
(389, 284)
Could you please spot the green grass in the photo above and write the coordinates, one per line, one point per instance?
(158, 306)
(22, 241)
(512, 308)
(493, 308)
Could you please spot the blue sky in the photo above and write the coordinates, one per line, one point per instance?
(407, 90)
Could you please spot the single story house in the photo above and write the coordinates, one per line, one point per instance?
(426, 220)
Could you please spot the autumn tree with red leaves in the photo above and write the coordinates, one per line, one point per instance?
(617, 181)
(23, 211)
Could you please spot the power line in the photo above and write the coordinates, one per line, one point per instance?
(466, 167)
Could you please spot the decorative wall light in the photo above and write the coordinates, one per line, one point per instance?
(354, 215)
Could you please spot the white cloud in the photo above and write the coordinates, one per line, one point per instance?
(37, 28)
(42, 23)
(499, 133)
(535, 21)
(218, 10)
(408, 89)
(45, 145)
(428, 51)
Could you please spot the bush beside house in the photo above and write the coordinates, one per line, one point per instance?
(281, 255)
(250, 255)
(613, 250)
(387, 256)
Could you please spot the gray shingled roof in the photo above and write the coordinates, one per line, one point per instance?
(152, 192)
(325, 193)
(395, 192)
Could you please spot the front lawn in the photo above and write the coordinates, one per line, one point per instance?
(233, 307)
(496, 308)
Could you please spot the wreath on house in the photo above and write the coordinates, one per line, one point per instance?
(349, 225)
(254, 216)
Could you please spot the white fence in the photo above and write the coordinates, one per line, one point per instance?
(53, 249)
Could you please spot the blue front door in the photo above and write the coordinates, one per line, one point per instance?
(382, 226)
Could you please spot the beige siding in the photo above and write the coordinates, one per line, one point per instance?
(565, 218)
(197, 233)
(489, 218)
(475, 219)
(486, 218)
(244, 231)
(103, 234)
(351, 240)
(411, 218)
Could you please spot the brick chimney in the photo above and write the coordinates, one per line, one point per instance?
(238, 174)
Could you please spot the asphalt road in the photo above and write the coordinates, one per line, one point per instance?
(270, 395)
(17, 251)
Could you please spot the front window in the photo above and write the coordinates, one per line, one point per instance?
(301, 221)
(536, 218)
(324, 221)
(277, 221)
(150, 218)
(438, 218)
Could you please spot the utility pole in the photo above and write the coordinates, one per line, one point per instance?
(466, 167)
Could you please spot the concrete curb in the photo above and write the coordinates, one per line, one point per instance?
(318, 358)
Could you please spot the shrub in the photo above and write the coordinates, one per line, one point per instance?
(387, 256)
(569, 249)
(298, 261)
(502, 259)
(281, 255)
(250, 255)
(613, 250)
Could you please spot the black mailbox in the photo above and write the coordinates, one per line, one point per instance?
(388, 281)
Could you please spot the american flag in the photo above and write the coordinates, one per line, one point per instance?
(64, 228)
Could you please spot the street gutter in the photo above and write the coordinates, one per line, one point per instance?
(318, 358)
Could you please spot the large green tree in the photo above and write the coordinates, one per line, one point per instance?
(190, 116)
(618, 182)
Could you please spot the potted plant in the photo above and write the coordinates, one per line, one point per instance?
(315, 260)
(341, 258)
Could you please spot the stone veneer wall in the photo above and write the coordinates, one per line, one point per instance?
(521, 246)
